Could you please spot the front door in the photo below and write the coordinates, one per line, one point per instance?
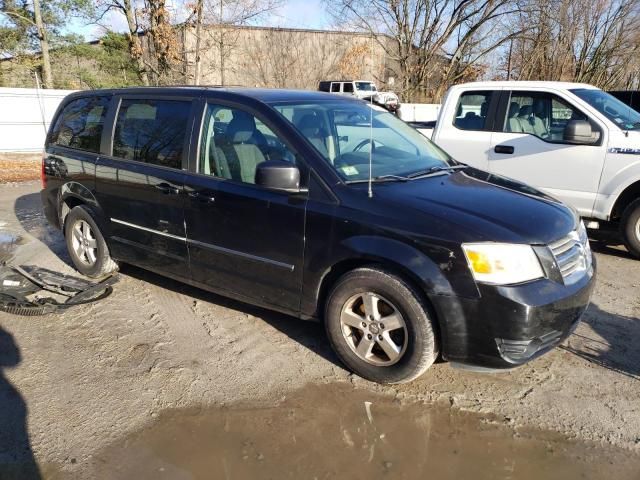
(140, 185)
(530, 147)
(243, 239)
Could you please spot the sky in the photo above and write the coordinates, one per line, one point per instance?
(292, 13)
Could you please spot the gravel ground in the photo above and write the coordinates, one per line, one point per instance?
(87, 378)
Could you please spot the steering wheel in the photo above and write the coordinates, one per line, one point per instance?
(365, 142)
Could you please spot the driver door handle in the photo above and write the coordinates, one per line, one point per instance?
(508, 149)
(167, 189)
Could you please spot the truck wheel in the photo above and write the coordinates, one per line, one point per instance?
(379, 327)
(631, 228)
(86, 245)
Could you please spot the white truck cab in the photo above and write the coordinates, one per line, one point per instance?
(574, 141)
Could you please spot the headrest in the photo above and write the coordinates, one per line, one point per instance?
(310, 124)
(525, 111)
(513, 109)
(241, 128)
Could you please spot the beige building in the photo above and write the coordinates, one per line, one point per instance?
(284, 57)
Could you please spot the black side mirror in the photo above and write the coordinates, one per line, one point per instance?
(278, 175)
(579, 132)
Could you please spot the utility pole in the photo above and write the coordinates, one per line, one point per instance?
(196, 73)
(44, 45)
(221, 46)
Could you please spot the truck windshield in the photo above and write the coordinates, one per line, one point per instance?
(622, 115)
(346, 133)
(365, 87)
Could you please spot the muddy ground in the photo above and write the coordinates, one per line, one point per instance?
(76, 387)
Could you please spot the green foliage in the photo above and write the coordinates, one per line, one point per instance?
(103, 64)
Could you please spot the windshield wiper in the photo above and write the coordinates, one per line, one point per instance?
(435, 170)
(381, 178)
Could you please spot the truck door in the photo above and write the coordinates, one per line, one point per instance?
(468, 138)
(528, 145)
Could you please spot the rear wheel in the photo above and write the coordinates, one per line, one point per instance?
(86, 245)
(631, 228)
(379, 327)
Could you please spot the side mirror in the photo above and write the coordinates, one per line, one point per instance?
(579, 132)
(278, 175)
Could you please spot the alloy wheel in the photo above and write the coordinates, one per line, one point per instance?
(84, 243)
(374, 329)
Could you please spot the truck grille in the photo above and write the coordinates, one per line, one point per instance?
(573, 256)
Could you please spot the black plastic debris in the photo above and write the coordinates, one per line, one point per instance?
(30, 290)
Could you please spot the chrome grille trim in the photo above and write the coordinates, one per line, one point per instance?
(572, 256)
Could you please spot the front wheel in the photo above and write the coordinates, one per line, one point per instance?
(86, 245)
(379, 327)
(631, 228)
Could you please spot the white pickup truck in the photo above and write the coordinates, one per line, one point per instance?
(574, 141)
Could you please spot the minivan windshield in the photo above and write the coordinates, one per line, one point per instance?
(348, 133)
(622, 115)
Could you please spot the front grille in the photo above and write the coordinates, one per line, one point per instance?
(572, 255)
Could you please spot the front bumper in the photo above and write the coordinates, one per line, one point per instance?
(510, 325)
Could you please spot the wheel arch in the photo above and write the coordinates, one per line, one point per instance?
(73, 194)
(628, 195)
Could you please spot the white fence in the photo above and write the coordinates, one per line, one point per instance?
(419, 112)
(25, 114)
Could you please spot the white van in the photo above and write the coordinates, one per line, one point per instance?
(574, 141)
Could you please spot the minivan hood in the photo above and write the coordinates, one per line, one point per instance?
(484, 206)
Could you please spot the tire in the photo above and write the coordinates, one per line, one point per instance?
(86, 245)
(412, 346)
(630, 227)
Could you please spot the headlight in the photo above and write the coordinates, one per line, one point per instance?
(584, 240)
(502, 263)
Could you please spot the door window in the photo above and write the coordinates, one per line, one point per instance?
(541, 114)
(335, 87)
(80, 124)
(152, 131)
(472, 109)
(348, 87)
(234, 142)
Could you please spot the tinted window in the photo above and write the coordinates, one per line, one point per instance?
(151, 131)
(234, 142)
(541, 114)
(471, 112)
(80, 124)
(335, 87)
(348, 88)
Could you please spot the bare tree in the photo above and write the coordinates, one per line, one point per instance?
(127, 8)
(216, 23)
(591, 41)
(433, 42)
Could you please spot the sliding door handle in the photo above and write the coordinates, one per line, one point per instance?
(508, 149)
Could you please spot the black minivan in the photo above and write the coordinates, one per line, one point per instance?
(321, 207)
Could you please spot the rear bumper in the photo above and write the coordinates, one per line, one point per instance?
(49, 208)
(509, 326)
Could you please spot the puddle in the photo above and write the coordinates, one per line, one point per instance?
(336, 432)
(8, 243)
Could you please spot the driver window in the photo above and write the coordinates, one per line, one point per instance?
(543, 115)
(234, 142)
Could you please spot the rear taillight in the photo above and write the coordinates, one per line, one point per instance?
(43, 175)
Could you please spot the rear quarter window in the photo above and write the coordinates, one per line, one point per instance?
(80, 124)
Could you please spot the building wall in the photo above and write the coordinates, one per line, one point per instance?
(284, 58)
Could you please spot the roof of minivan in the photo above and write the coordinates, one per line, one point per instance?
(266, 95)
(526, 84)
